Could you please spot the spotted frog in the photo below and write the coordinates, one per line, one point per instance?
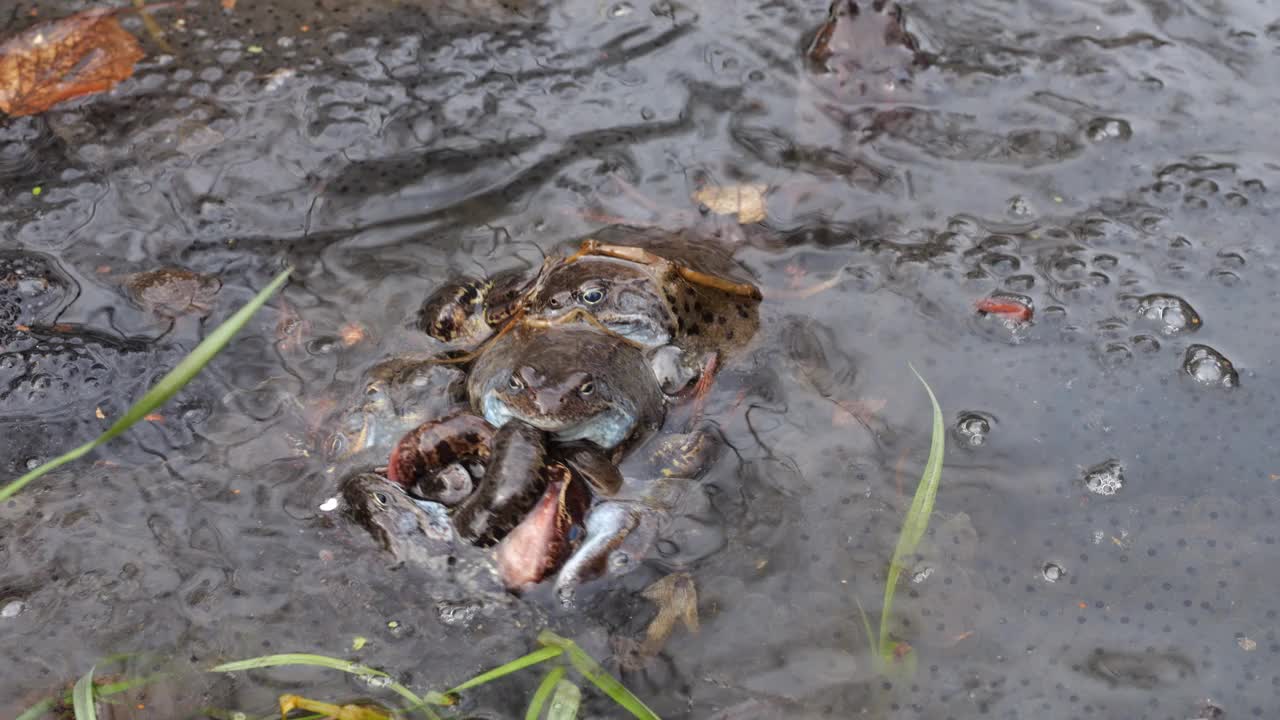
(679, 296)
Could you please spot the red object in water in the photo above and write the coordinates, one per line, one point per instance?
(1005, 308)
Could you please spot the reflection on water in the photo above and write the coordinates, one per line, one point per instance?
(1105, 534)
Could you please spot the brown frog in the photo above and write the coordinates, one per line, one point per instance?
(863, 48)
(678, 295)
(171, 292)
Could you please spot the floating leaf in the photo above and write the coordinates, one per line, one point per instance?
(62, 59)
(745, 200)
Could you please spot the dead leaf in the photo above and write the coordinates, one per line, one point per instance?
(352, 334)
(849, 412)
(745, 200)
(228, 4)
(54, 61)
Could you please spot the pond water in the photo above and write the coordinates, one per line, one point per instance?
(1105, 536)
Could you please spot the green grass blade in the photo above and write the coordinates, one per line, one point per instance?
(82, 697)
(38, 710)
(324, 661)
(917, 520)
(520, 663)
(591, 670)
(165, 388)
(44, 706)
(564, 706)
(543, 692)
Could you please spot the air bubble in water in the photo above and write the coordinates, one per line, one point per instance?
(1105, 478)
(971, 428)
(1210, 367)
(1173, 313)
(1052, 572)
(1106, 129)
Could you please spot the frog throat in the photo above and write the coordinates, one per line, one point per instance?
(606, 429)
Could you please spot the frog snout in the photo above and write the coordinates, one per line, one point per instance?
(529, 376)
(548, 402)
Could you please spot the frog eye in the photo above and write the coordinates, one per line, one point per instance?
(381, 499)
(336, 445)
(515, 383)
(620, 559)
(593, 296)
(587, 388)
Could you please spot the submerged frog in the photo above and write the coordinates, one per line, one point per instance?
(622, 529)
(863, 48)
(420, 533)
(171, 292)
(397, 395)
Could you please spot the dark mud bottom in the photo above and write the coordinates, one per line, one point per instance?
(1105, 537)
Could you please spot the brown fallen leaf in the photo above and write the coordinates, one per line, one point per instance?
(58, 60)
(747, 201)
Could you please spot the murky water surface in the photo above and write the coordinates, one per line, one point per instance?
(1105, 537)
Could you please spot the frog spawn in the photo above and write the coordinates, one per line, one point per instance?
(1106, 478)
(1210, 367)
(1174, 314)
(971, 428)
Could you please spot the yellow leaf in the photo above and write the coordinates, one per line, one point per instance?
(745, 200)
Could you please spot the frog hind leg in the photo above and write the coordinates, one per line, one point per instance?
(662, 265)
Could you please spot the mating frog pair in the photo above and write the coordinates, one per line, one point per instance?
(570, 370)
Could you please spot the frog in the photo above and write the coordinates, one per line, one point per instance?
(172, 292)
(864, 49)
(589, 393)
(467, 309)
(678, 295)
(571, 381)
(418, 532)
(397, 395)
(621, 529)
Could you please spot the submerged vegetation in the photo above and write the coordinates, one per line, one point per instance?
(898, 657)
(564, 695)
(165, 389)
